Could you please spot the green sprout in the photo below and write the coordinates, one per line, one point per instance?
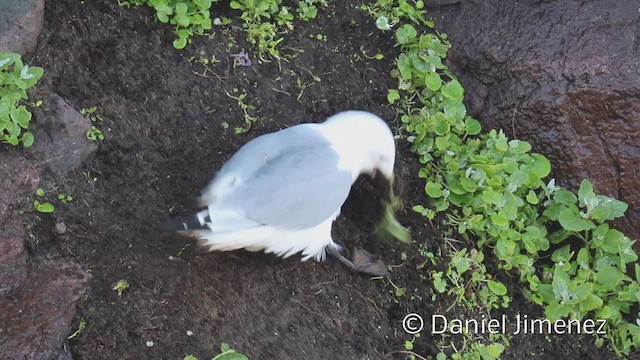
(246, 108)
(81, 327)
(42, 206)
(227, 353)
(93, 134)
(120, 286)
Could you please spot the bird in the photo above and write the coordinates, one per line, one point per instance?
(281, 192)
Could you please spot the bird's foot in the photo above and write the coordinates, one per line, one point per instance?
(363, 262)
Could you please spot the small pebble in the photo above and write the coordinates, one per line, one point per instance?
(61, 228)
(149, 343)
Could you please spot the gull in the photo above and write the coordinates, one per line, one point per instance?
(281, 192)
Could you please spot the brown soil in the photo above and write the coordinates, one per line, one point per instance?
(163, 119)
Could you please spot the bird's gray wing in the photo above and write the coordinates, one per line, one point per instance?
(295, 190)
(251, 157)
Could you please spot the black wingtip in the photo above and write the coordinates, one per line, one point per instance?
(182, 224)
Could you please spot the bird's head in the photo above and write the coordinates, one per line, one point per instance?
(366, 146)
(384, 176)
(368, 143)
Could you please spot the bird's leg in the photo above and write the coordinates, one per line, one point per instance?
(364, 262)
(335, 251)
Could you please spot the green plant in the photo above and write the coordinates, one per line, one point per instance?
(81, 327)
(303, 84)
(120, 286)
(248, 118)
(205, 60)
(227, 353)
(589, 277)
(388, 13)
(91, 112)
(319, 37)
(377, 56)
(307, 9)
(261, 30)
(93, 134)
(397, 292)
(408, 349)
(466, 278)
(65, 198)
(45, 206)
(476, 350)
(266, 20)
(15, 79)
(190, 17)
(494, 193)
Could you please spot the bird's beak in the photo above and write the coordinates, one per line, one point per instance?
(395, 191)
(389, 186)
(391, 193)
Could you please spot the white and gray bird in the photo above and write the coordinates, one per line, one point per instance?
(281, 192)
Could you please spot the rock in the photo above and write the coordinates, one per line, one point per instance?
(564, 76)
(13, 256)
(38, 303)
(36, 320)
(61, 228)
(18, 176)
(20, 24)
(13, 183)
(61, 144)
(62, 147)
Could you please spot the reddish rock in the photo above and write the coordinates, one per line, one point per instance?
(18, 176)
(564, 75)
(13, 256)
(35, 320)
(20, 25)
(38, 303)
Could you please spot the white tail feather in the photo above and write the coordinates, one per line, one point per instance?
(311, 242)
